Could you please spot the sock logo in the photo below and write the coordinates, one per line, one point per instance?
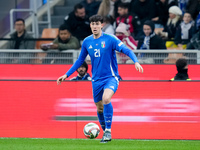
(108, 121)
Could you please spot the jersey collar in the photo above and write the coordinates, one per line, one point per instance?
(102, 33)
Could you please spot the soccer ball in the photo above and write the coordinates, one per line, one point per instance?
(91, 130)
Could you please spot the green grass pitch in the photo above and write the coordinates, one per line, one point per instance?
(87, 144)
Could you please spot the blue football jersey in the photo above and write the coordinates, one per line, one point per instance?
(103, 56)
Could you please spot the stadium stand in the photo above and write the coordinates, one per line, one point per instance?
(59, 13)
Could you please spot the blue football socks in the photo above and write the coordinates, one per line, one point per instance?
(108, 113)
(101, 120)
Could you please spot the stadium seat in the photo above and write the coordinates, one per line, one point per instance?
(46, 33)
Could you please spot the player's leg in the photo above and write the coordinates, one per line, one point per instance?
(108, 108)
(109, 90)
(108, 113)
(97, 95)
(100, 115)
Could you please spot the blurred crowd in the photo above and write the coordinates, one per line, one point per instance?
(139, 24)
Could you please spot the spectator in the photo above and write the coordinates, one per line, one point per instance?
(162, 13)
(82, 73)
(21, 40)
(194, 42)
(19, 37)
(149, 41)
(172, 25)
(185, 31)
(124, 35)
(182, 68)
(91, 7)
(78, 22)
(144, 9)
(108, 8)
(107, 25)
(131, 20)
(64, 41)
(127, 39)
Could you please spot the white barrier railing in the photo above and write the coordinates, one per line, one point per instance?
(70, 56)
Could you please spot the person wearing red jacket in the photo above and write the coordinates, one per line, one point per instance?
(124, 35)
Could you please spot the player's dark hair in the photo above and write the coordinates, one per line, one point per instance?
(20, 19)
(123, 5)
(78, 6)
(96, 18)
(181, 63)
(64, 27)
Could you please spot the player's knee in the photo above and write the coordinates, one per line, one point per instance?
(106, 100)
(100, 109)
(99, 106)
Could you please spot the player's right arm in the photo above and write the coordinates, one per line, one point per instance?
(76, 65)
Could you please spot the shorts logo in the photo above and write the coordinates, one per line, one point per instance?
(112, 87)
(103, 44)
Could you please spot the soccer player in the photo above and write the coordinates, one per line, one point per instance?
(101, 48)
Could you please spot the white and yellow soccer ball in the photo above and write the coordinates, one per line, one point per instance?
(91, 130)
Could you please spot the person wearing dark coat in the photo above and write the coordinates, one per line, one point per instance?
(144, 9)
(170, 29)
(162, 13)
(182, 68)
(150, 40)
(185, 31)
(78, 22)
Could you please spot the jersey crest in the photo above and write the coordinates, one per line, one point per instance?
(103, 44)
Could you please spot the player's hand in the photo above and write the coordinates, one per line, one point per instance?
(138, 67)
(61, 79)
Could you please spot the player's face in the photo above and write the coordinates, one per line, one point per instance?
(64, 35)
(96, 27)
(19, 26)
(81, 71)
(187, 18)
(147, 30)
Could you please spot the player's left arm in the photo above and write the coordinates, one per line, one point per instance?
(75, 66)
(119, 46)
